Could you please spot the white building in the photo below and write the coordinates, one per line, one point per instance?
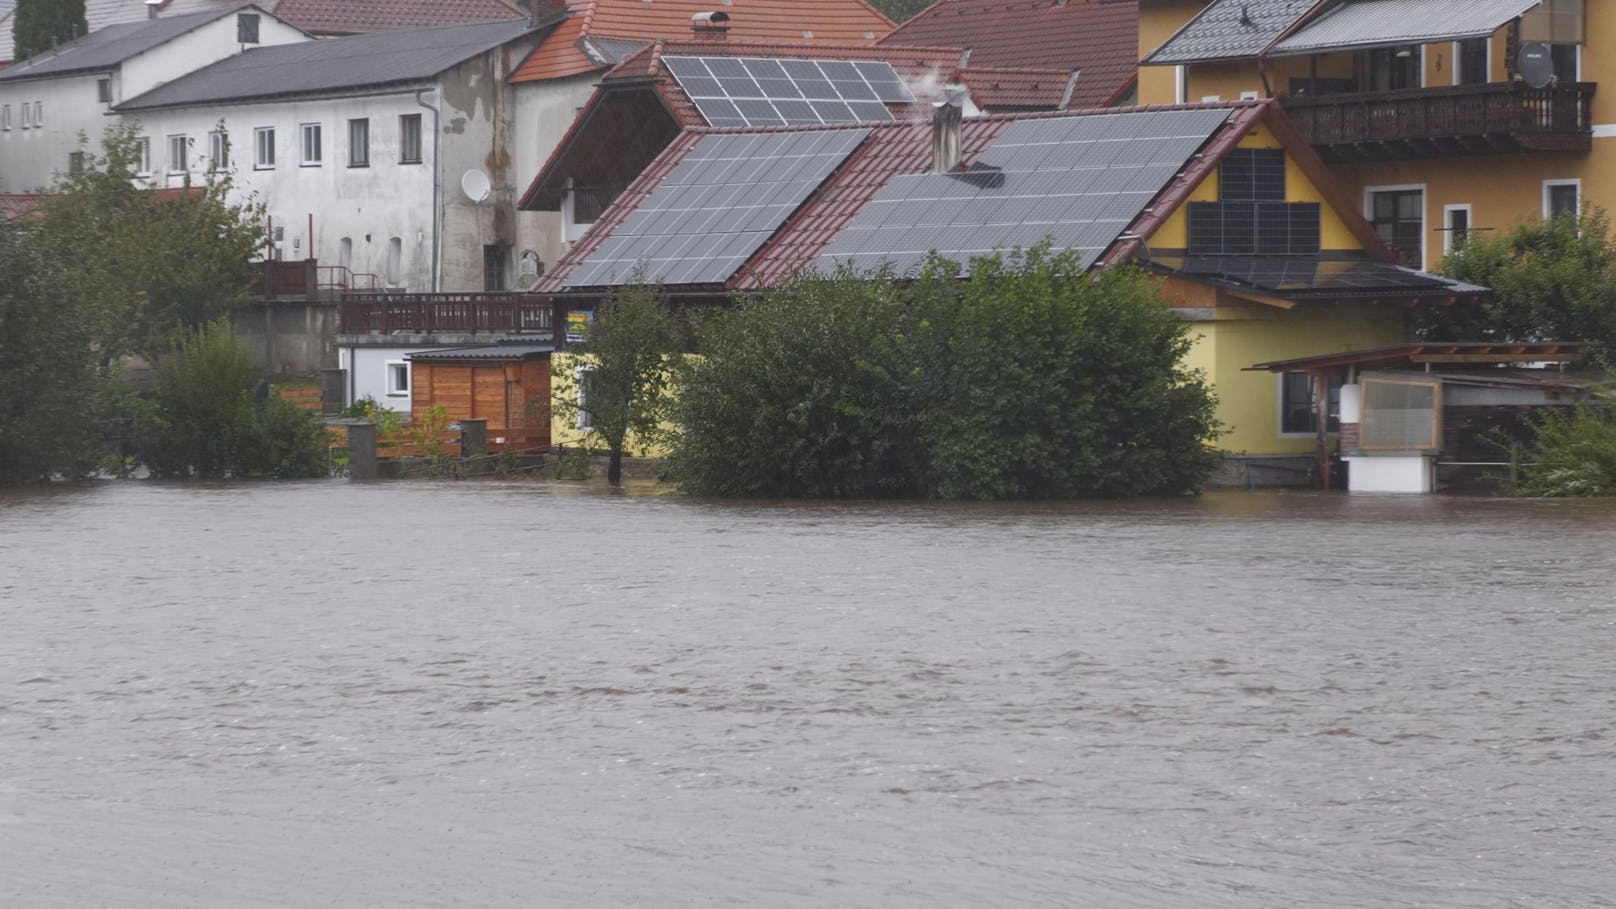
(50, 100)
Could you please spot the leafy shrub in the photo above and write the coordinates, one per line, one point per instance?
(1572, 454)
(1028, 379)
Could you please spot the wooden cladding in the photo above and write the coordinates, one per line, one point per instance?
(512, 396)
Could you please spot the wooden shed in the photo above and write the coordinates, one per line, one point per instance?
(507, 384)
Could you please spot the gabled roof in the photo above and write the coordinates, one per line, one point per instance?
(346, 17)
(576, 47)
(1232, 29)
(600, 135)
(1113, 199)
(105, 49)
(1099, 39)
(334, 65)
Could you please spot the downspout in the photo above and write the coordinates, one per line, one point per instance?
(437, 216)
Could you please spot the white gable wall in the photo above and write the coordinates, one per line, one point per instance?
(544, 113)
(195, 49)
(31, 158)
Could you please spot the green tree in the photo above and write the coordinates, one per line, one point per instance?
(1552, 280)
(1572, 453)
(54, 393)
(206, 423)
(151, 264)
(1028, 379)
(39, 25)
(900, 10)
(631, 350)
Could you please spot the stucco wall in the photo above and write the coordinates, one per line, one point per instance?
(544, 112)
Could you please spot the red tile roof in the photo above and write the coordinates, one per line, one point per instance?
(1100, 38)
(794, 22)
(344, 17)
(1001, 88)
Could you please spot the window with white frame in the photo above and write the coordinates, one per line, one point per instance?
(264, 147)
(1561, 198)
(39, 113)
(103, 90)
(5, 117)
(586, 394)
(359, 143)
(409, 139)
(178, 154)
(1398, 216)
(311, 147)
(1455, 226)
(143, 156)
(218, 150)
(1297, 409)
(26, 114)
(398, 378)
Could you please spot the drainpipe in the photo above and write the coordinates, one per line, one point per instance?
(437, 216)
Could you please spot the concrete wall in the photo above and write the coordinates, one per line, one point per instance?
(289, 338)
(543, 113)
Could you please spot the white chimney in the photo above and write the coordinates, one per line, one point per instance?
(946, 116)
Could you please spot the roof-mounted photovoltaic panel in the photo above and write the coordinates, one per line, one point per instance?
(1078, 181)
(727, 196)
(753, 91)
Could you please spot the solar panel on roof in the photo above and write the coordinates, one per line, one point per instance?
(728, 195)
(749, 91)
(1307, 274)
(1077, 180)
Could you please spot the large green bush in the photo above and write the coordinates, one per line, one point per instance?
(1571, 454)
(1028, 379)
(205, 422)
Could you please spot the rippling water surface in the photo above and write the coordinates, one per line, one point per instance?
(521, 694)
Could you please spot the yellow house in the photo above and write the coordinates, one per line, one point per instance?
(1439, 118)
(1256, 243)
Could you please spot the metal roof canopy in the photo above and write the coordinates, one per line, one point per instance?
(1411, 354)
(504, 351)
(1367, 24)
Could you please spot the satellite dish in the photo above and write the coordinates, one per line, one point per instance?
(1536, 64)
(474, 183)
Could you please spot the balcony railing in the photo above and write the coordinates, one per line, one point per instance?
(455, 313)
(1496, 118)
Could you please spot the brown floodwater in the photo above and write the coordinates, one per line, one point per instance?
(520, 694)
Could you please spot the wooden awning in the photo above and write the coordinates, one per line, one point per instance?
(1470, 353)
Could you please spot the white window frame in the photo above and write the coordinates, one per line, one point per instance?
(359, 126)
(397, 369)
(143, 156)
(586, 419)
(1455, 57)
(103, 90)
(179, 163)
(306, 131)
(404, 146)
(5, 117)
(260, 146)
(1568, 181)
(1447, 223)
(1425, 203)
(218, 149)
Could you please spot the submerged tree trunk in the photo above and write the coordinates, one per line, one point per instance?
(614, 465)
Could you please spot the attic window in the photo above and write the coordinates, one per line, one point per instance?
(247, 28)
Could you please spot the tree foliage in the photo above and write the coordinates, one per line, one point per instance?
(54, 392)
(39, 25)
(1028, 379)
(1552, 280)
(631, 348)
(151, 264)
(206, 423)
(1572, 453)
(900, 11)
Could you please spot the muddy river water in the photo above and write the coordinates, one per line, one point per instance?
(510, 694)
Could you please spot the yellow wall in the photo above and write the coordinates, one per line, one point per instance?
(1501, 190)
(564, 429)
(1243, 335)
(1333, 233)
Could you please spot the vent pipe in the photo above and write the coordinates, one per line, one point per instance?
(946, 118)
(712, 25)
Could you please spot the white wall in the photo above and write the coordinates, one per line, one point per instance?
(31, 158)
(195, 49)
(368, 205)
(544, 112)
(367, 374)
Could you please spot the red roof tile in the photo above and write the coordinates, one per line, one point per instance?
(1100, 38)
(342, 17)
(999, 88)
(845, 22)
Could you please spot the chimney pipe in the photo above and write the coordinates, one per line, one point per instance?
(946, 116)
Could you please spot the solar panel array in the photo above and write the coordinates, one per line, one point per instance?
(1306, 274)
(716, 207)
(1263, 228)
(748, 91)
(1076, 180)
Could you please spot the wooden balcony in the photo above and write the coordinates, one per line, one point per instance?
(388, 313)
(1491, 119)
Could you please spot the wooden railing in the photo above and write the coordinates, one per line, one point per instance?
(1497, 117)
(388, 313)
